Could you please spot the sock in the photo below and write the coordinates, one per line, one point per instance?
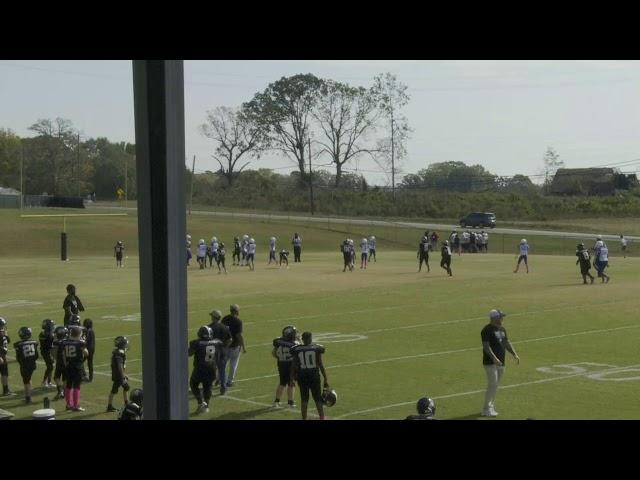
(290, 402)
(277, 400)
(5, 388)
(67, 396)
(76, 397)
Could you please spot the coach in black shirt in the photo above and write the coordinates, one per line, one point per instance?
(232, 353)
(494, 344)
(220, 332)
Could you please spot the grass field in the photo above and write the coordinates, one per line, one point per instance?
(392, 334)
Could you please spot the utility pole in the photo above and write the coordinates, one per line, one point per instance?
(78, 157)
(193, 170)
(310, 181)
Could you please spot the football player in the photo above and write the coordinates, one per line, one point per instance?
(61, 333)
(46, 338)
(345, 248)
(426, 410)
(26, 354)
(74, 353)
(220, 258)
(72, 304)
(189, 254)
(364, 253)
(212, 251)
(202, 253)
(118, 250)
(243, 247)
(206, 352)
(307, 365)
(119, 371)
(272, 250)
(585, 262)
(4, 349)
(133, 409)
(445, 261)
(90, 339)
(282, 352)
(524, 254)
(602, 262)
(284, 257)
(296, 241)
(423, 252)
(236, 250)
(372, 248)
(352, 255)
(251, 254)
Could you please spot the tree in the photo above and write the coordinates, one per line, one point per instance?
(516, 184)
(454, 176)
(391, 96)
(236, 136)
(552, 163)
(345, 115)
(282, 110)
(10, 152)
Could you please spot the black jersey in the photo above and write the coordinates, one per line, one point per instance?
(46, 342)
(118, 249)
(584, 258)
(345, 247)
(236, 246)
(283, 349)
(307, 357)
(73, 353)
(118, 360)
(283, 254)
(26, 353)
(423, 248)
(131, 411)
(4, 344)
(57, 351)
(446, 253)
(205, 353)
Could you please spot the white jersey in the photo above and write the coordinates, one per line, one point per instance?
(485, 237)
(244, 246)
(202, 250)
(272, 245)
(524, 249)
(251, 248)
(623, 241)
(604, 254)
(372, 244)
(364, 247)
(214, 246)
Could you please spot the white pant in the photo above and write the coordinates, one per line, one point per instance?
(233, 357)
(494, 375)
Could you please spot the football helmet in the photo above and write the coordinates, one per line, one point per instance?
(372, 237)
(24, 333)
(119, 242)
(329, 397)
(446, 242)
(289, 333)
(61, 332)
(251, 240)
(204, 333)
(121, 342)
(74, 320)
(201, 241)
(221, 245)
(3, 323)
(188, 237)
(75, 331)
(245, 237)
(87, 323)
(136, 396)
(214, 239)
(273, 239)
(599, 237)
(47, 324)
(426, 406)
(580, 246)
(524, 240)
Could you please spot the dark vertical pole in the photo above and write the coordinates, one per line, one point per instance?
(193, 172)
(159, 122)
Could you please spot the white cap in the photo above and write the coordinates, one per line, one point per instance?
(493, 314)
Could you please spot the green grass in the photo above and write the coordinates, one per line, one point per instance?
(419, 333)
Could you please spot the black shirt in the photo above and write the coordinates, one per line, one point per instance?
(497, 337)
(73, 303)
(4, 344)
(118, 359)
(26, 353)
(235, 328)
(220, 332)
(283, 349)
(57, 346)
(90, 339)
(584, 258)
(307, 357)
(205, 353)
(46, 342)
(72, 352)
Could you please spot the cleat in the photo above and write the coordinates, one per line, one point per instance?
(223, 391)
(229, 384)
(111, 408)
(9, 393)
(78, 409)
(291, 404)
(277, 405)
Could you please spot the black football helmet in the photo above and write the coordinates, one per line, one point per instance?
(61, 332)
(289, 333)
(205, 333)
(24, 333)
(329, 397)
(136, 396)
(3, 324)
(75, 330)
(580, 246)
(426, 406)
(47, 324)
(74, 320)
(121, 342)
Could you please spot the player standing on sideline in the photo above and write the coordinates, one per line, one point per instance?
(307, 365)
(61, 333)
(220, 332)
(585, 262)
(119, 371)
(46, 344)
(72, 304)
(345, 248)
(372, 248)
(251, 254)
(297, 247)
(456, 243)
(272, 250)
(485, 240)
(211, 252)
(434, 240)
(623, 245)
(90, 340)
(243, 247)
(189, 254)
(205, 351)
(118, 251)
(364, 253)
(26, 354)
(236, 250)
(73, 355)
(4, 349)
(282, 352)
(220, 258)
(423, 253)
(445, 262)
(426, 408)
(284, 257)
(232, 353)
(602, 262)
(524, 254)
(202, 253)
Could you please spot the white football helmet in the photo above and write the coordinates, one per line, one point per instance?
(372, 237)
(599, 237)
(201, 241)
(251, 240)
(245, 237)
(364, 240)
(273, 239)
(524, 240)
(188, 237)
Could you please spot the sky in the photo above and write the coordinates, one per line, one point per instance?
(500, 114)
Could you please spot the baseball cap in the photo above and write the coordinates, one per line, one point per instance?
(493, 314)
(216, 313)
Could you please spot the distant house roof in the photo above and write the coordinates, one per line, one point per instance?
(8, 191)
(584, 181)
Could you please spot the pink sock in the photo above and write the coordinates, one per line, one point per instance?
(76, 397)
